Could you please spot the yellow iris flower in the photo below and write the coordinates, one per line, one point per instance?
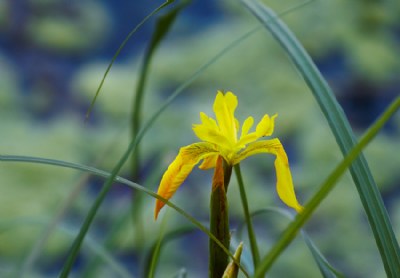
(220, 138)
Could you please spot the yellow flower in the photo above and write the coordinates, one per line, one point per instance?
(220, 138)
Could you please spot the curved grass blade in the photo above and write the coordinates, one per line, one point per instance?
(367, 189)
(92, 244)
(154, 254)
(107, 175)
(327, 186)
(326, 269)
(163, 5)
(107, 185)
(35, 252)
(91, 267)
(163, 25)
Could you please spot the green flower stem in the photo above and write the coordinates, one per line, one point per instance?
(219, 221)
(252, 237)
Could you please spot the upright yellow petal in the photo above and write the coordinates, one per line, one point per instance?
(180, 168)
(284, 184)
(224, 109)
(208, 131)
(247, 124)
(266, 126)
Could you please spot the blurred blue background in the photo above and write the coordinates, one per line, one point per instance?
(53, 54)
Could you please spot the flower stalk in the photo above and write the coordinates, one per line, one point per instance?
(219, 220)
(252, 236)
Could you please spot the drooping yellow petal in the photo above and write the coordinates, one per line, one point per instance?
(284, 184)
(224, 109)
(180, 168)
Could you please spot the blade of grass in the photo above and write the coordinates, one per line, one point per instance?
(107, 175)
(329, 183)
(91, 268)
(93, 264)
(127, 38)
(92, 244)
(326, 269)
(163, 25)
(155, 251)
(107, 185)
(368, 191)
(35, 252)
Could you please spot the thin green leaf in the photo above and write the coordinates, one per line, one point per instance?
(92, 244)
(163, 25)
(327, 186)
(367, 189)
(326, 269)
(107, 175)
(155, 251)
(163, 5)
(107, 185)
(35, 252)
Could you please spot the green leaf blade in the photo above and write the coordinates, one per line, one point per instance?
(367, 189)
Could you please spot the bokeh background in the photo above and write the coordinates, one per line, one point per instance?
(53, 54)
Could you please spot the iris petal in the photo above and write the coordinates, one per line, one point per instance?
(211, 135)
(224, 109)
(180, 168)
(284, 184)
(266, 126)
(248, 123)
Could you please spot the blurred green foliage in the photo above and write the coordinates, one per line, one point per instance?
(359, 30)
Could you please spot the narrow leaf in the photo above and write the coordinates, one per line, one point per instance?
(155, 250)
(127, 38)
(326, 269)
(163, 25)
(368, 191)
